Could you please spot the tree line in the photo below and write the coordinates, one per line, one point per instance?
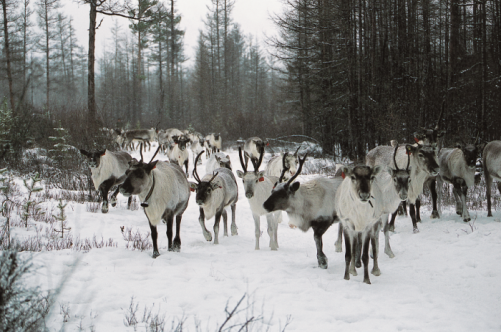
(351, 74)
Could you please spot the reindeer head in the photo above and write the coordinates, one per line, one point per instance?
(425, 157)
(282, 193)
(251, 178)
(361, 178)
(94, 159)
(401, 178)
(217, 136)
(138, 176)
(471, 152)
(224, 162)
(181, 141)
(203, 189)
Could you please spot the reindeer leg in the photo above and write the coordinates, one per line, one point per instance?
(418, 208)
(433, 190)
(176, 247)
(217, 219)
(488, 183)
(169, 218)
(319, 228)
(464, 191)
(201, 219)
(257, 229)
(339, 241)
(154, 236)
(105, 188)
(233, 224)
(186, 166)
(113, 198)
(412, 212)
(374, 237)
(347, 256)
(272, 229)
(391, 225)
(365, 256)
(358, 251)
(387, 248)
(129, 202)
(225, 222)
(457, 196)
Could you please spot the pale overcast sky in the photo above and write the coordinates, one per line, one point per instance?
(252, 15)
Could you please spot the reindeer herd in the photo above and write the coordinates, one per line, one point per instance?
(364, 199)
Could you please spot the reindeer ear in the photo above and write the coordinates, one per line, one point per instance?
(409, 149)
(377, 169)
(102, 152)
(346, 171)
(295, 186)
(240, 174)
(150, 166)
(85, 152)
(193, 186)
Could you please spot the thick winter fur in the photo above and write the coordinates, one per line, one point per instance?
(423, 162)
(308, 205)
(492, 168)
(359, 206)
(217, 160)
(169, 198)
(213, 197)
(108, 169)
(275, 166)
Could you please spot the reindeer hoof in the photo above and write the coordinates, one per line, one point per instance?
(208, 237)
(391, 228)
(347, 276)
(468, 219)
(155, 254)
(389, 253)
(376, 272)
(322, 262)
(435, 215)
(459, 213)
(353, 271)
(104, 209)
(415, 231)
(367, 280)
(234, 231)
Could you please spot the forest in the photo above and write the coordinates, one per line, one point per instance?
(349, 74)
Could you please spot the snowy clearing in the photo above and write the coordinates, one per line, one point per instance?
(442, 279)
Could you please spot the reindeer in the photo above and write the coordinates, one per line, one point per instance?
(276, 165)
(308, 205)
(393, 184)
(423, 162)
(218, 160)
(359, 206)
(207, 146)
(258, 188)
(178, 153)
(165, 137)
(492, 169)
(164, 192)
(215, 192)
(252, 149)
(457, 166)
(215, 141)
(142, 135)
(108, 169)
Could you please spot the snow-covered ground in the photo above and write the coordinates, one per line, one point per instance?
(444, 278)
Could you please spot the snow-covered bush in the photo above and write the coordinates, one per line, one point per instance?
(22, 309)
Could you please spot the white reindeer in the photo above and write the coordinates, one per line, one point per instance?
(164, 192)
(215, 192)
(258, 188)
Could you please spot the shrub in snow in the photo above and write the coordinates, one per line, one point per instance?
(22, 309)
(31, 205)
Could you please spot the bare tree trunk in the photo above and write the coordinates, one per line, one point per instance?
(91, 92)
(7, 52)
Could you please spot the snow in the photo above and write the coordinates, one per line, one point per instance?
(442, 279)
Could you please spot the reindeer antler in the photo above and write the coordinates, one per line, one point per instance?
(213, 176)
(195, 173)
(301, 162)
(258, 164)
(394, 159)
(155, 154)
(241, 159)
(284, 168)
(295, 154)
(141, 152)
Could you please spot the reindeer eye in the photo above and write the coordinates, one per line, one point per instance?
(353, 178)
(409, 180)
(420, 155)
(209, 190)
